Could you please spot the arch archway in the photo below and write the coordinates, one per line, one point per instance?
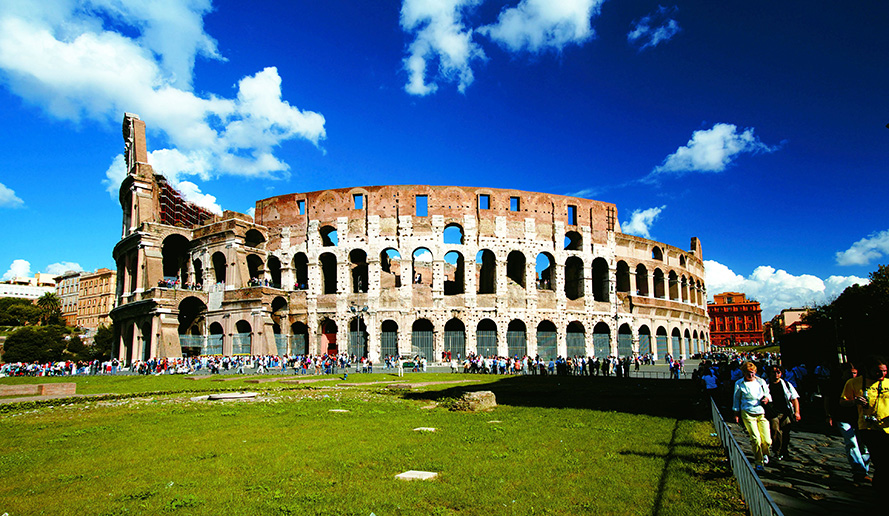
(299, 339)
(573, 241)
(661, 339)
(573, 278)
(515, 268)
(622, 277)
(624, 340)
(274, 267)
(453, 234)
(219, 266)
(242, 340)
(389, 339)
(423, 339)
(645, 340)
(547, 340)
(357, 337)
(421, 266)
(329, 237)
(255, 269)
(486, 338)
(175, 258)
(454, 272)
(516, 339)
(575, 338)
(455, 338)
(600, 280)
(215, 340)
(486, 270)
(545, 268)
(358, 266)
(390, 268)
(254, 238)
(659, 291)
(601, 340)
(301, 271)
(328, 337)
(328, 273)
(676, 342)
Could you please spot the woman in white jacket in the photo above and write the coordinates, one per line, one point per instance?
(751, 397)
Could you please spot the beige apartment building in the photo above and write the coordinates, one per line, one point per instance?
(68, 290)
(95, 298)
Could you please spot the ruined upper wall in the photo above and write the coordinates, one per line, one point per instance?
(451, 202)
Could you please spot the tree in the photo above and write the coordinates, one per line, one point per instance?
(30, 344)
(13, 310)
(102, 343)
(50, 307)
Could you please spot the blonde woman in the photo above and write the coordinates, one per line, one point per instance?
(751, 396)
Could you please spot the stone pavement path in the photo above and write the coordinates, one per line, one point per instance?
(816, 480)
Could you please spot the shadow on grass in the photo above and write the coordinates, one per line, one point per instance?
(679, 399)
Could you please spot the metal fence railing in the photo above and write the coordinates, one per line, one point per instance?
(758, 501)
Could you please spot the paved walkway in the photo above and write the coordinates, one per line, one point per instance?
(816, 480)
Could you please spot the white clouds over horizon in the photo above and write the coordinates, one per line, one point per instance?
(97, 59)
(20, 268)
(776, 289)
(710, 150)
(8, 198)
(640, 222)
(654, 29)
(441, 34)
(865, 250)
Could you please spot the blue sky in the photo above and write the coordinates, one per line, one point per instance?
(757, 126)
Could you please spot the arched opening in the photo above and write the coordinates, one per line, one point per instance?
(242, 339)
(516, 339)
(328, 273)
(682, 260)
(455, 338)
(219, 266)
(545, 269)
(486, 269)
(198, 274)
(421, 266)
(600, 280)
(301, 271)
(175, 259)
(547, 340)
(254, 238)
(423, 339)
(683, 282)
(674, 286)
(274, 266)
(622, 277)
(191, 319)
(657, 254)
(147, 341)
(699, 292)
(486, 338)
(573, 241)
(214, 340)
(453, 234)
(661, 342)
(624, 340)
(645, 340)
(575, 338)
(515, 268)
(329, 237)
(389, 339)
(602, 340)
(299, 339)
(659, 284)
(689, 344)
(390, 265)
(358, 337)
(358, 265)
(280, 340)
(641, 280)
(574, 278)
(454, 272)
(279, 306)
(677, 342)
(328, 337)
(255, 269)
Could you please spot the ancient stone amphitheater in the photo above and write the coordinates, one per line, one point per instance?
(396, 270)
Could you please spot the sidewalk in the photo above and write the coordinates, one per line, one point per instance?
(816, 480)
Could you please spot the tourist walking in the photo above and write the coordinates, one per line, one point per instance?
(870, 393)
(750, 398)
(782, 413)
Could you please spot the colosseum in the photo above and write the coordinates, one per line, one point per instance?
(395, 270)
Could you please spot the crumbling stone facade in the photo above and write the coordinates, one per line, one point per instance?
(399, 270)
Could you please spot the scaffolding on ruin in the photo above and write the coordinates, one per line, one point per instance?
(176, 211)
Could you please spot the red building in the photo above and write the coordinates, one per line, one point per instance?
(734, 320)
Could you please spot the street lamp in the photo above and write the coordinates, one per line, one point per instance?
(360, 311)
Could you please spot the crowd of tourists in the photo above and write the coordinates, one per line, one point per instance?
(767, 399)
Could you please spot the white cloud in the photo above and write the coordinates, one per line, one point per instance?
(865, 250)
(540, 25)
(439, 34)
(99, 59)
(654, 29)
(8, 199)
(252, 212)
(422, 255)
(711, 150)
(641, 221)
(18, 269)
(192, 193)
(776, 289)
(62, 267)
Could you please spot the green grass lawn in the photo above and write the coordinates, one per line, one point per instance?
(553, 446)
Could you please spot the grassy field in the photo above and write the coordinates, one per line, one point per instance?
(553, 446)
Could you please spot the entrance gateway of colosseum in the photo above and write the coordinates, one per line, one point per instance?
(395, 270)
